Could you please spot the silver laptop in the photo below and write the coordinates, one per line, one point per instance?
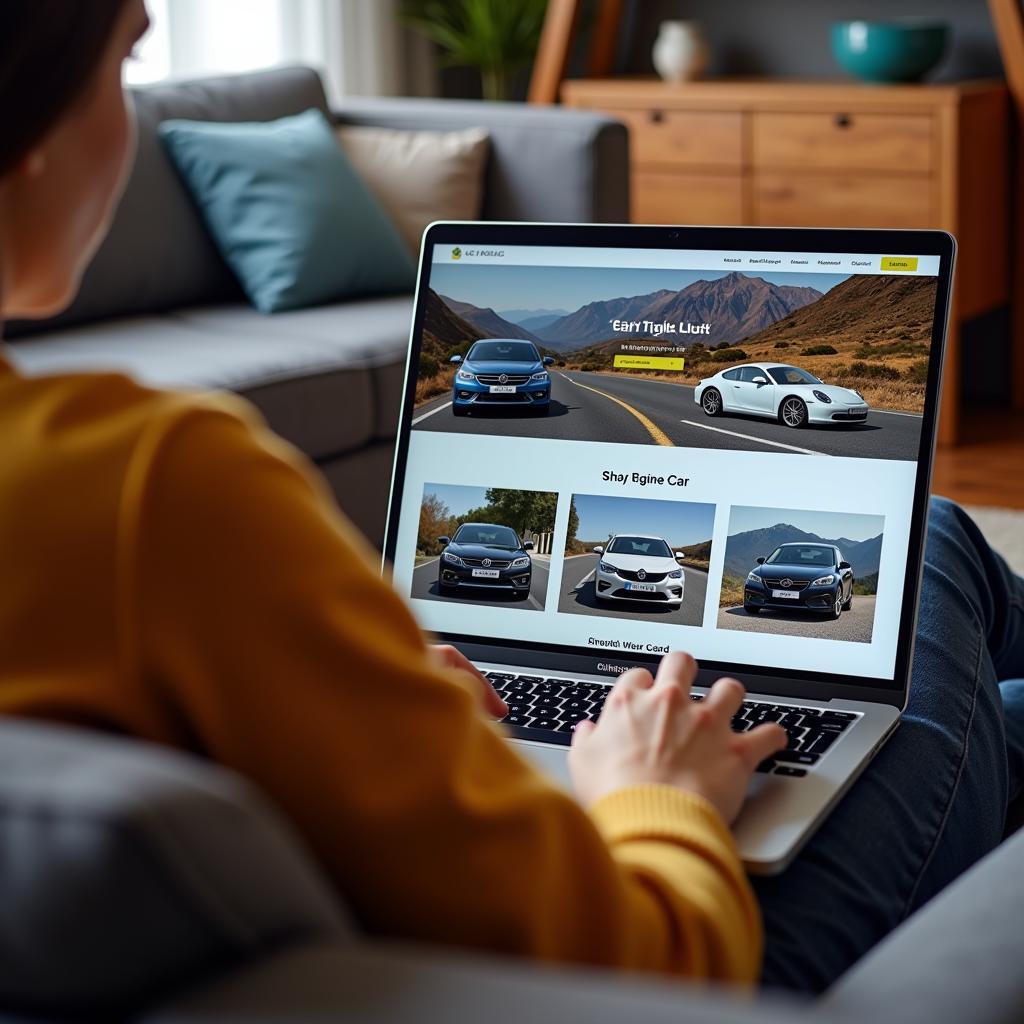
(618, 441)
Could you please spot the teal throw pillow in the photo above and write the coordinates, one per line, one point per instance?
(291, 217)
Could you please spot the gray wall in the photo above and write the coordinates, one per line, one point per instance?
(791, 37)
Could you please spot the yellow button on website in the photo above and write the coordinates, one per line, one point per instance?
(904, 263)
(648, 362)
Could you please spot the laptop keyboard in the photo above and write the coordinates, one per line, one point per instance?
(548, 710)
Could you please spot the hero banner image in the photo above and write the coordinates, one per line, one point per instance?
(757, 361)
(648, 456)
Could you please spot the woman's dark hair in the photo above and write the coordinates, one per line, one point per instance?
(48, 51)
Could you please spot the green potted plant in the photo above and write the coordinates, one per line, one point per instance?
(498, 37)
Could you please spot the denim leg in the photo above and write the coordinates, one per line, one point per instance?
(934, 800)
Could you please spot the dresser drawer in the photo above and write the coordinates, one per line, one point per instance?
(893, 143)
(671, 197)
(843, 200)
(683, 138)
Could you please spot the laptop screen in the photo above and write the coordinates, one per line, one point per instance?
(626, 449)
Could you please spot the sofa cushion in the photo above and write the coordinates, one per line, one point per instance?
(327, 379)
(293, 219)
(420, 177)
(159, 254)
(127, 869)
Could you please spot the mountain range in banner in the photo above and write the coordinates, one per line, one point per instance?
(737, 306)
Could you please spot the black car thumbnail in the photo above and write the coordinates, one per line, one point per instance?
(801, 576)
(482, 557)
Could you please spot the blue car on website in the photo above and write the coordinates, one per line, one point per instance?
(502, 373)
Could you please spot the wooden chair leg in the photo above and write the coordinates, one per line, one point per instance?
(1008, 19)
(553, 51)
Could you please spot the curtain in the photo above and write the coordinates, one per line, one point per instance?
(359, 46)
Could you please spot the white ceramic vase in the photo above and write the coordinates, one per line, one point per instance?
(680, 53)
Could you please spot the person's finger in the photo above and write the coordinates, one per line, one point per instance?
(677, 668)
(725, 697)
(583, 728)
(761, 742)
(634, 679)
(493, 702)
(450, 657)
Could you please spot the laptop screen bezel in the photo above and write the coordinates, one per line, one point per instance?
(782, 681)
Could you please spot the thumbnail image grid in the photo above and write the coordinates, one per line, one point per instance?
(484, 545)
(637, 558)
(788, 362)
(801, 573)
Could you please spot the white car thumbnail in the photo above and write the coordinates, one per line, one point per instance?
(636, 567)
(775, 391)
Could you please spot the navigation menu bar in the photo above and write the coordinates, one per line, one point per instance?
(691, 259)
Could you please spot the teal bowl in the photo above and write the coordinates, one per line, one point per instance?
(889, 51)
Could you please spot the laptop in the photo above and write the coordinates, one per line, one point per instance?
(621, 440)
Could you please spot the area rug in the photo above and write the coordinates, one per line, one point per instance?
(1004, 530)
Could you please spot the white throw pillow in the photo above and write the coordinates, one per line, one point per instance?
(420, 176)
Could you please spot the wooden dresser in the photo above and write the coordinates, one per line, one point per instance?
(827, 154)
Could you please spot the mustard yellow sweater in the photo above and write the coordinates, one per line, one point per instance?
(175, 572)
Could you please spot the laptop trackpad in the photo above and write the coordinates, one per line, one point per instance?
(552, 760)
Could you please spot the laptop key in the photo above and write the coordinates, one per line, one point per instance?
(578, 691)
(795, 739)
(518, 707)
(784, 769)
(838, 716)
(532, 679)
(795, 757)
(547, 703)
(548, 724)
(575, 704)
(516, 718)
(820, 743)
(572, 717)
(765, 766)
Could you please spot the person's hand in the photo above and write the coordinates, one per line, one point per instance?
(650, 731)
(447, 657)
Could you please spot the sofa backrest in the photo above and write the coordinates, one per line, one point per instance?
(159, 254)
(128, 870)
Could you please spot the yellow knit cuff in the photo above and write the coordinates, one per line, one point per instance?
(656, 811)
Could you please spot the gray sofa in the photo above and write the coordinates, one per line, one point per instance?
(138, 884)
(159, 303)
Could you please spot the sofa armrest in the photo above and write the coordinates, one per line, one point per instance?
(957, 959)
(546, 163)
(370, 983)
(128, 869)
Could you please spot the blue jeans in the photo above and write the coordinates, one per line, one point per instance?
(935, 798)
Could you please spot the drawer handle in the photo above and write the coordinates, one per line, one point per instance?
(656, 116)
(843, 120)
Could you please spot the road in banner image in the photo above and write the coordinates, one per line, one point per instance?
(635, 410)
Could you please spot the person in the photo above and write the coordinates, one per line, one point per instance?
(175, 572)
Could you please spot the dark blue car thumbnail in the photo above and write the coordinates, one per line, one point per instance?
(483, 558)
(805, 577)
(502, 373)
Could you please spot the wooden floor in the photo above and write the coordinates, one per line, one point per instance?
(988, 467)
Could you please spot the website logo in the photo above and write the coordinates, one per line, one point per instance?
(456, 253)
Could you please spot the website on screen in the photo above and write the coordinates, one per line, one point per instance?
(633, 451)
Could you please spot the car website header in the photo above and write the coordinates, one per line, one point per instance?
(895, 264)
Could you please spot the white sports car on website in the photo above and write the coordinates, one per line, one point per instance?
(785, 393)
(637, 567)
